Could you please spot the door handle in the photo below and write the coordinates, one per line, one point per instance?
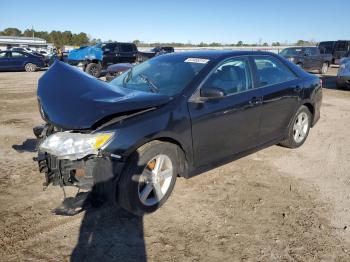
(255, 101)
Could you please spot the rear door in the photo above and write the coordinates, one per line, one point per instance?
(229, 125)
(17, 59)
(4, 63)
(280, 89)
(110, 54)
(127, 53)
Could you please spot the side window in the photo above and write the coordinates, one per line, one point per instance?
(17, 54)
(232, 76)
(126, 48)
(307, 51)
(2, 54)
(342, 46)
(272, 71)
(314, 51)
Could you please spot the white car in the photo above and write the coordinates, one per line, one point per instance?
(22, 49)
(343, 76)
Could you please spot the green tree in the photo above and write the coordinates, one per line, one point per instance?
(11, 31)
(239, 43)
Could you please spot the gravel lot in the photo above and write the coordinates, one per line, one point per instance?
(274, 205)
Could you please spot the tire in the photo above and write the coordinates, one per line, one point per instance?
(294, 140)
(93, 69)
(324, 68)
(137, 191)
(29, 67)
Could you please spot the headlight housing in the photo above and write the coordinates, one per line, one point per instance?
(66, 145)
(291, 59)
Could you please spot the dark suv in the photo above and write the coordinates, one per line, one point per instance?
(335, 48)
(174, 115)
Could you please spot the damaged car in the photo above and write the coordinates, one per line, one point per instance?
(176, 115)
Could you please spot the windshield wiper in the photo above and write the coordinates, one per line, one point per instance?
(150, 83)
(128, 77)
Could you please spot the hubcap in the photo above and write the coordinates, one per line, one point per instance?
(155, 180)
(300, 127)
(93, 71)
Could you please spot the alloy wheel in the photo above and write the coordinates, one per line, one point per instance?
(155, 180)
(300, 128)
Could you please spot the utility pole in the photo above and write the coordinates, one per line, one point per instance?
(32, 32)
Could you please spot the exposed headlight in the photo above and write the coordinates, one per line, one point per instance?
(291, 59)
(65, 145)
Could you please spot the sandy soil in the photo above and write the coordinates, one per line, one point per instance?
(274, 205)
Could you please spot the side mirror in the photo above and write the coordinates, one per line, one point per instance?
(212, 93)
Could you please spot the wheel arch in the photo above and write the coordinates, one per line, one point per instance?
(311, 109)
(183, 154)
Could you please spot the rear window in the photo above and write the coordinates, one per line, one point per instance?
(291, 51)
(126, 48)
(272, 71)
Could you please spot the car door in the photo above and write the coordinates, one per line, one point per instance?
(127, 53)
(110, 56)
(4, 63)
(281, 91)
(17, 59)
(230, 124)
(308, 62)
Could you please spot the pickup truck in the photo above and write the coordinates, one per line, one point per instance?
(94, 59)
(308, 58)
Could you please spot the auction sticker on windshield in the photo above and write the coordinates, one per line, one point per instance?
(197, 60)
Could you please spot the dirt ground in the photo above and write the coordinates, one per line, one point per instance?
(274, 205)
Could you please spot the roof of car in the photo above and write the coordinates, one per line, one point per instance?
(213, 54)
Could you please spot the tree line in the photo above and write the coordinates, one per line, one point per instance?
(58, 38)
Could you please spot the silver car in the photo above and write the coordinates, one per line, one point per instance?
(343, 76)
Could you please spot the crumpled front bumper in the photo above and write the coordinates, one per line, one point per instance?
(99, 173)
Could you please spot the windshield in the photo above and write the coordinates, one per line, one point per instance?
(167, 74)
(291, 51)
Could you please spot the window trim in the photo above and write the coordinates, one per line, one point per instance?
(196, 98)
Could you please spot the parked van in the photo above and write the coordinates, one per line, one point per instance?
(337, 48)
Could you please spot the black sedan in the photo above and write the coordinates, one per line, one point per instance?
(175, 115)
(18, 60)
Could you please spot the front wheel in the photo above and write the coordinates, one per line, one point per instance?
(149, 177)
(29, 67)
(299, 129)
(93, 69)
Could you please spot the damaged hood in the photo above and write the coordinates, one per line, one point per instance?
(71, 99)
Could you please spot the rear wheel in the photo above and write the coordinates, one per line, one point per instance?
(149, 177)
(93, 69)
(29, 67)
(299, 129)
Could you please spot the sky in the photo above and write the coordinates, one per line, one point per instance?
(191, 21)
